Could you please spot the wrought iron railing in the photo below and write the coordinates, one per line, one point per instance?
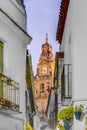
(9, 93)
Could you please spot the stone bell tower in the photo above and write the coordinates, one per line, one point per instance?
(43, 80)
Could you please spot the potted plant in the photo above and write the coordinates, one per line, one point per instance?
(66, 115)
(67, 124)
(27, 126)
(78, 110)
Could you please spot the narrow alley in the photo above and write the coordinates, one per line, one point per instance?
(54, 97)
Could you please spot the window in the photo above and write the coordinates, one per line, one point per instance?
(69, 41)
(36, 91)
(48, 89)
(42, 88)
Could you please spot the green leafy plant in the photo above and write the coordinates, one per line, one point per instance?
(79, 108)
(61, 127)
(66, 113)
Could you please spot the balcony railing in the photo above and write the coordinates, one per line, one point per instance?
(9, 93)
(66, 89)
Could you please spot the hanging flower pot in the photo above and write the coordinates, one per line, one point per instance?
(66, 114)
(66, 127)
(78, 110)
(77, 115)
(67, 124)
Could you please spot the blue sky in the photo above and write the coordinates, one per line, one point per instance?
(42, 18)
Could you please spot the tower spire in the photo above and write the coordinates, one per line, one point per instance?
(46, 38)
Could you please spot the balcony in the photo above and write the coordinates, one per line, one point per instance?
(66, 89)
(9, 95)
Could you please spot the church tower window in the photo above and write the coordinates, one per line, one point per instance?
(42, 88)
(48, 89)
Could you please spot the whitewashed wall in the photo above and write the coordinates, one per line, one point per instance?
(75, 52)
(79, 48)
(15, 11)
(15, 42)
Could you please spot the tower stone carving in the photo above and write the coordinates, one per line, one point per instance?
(43, 80)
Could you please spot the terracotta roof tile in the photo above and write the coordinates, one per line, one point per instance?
(62, 19)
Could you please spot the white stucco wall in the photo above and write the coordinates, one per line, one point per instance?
(67, 37)
(11, 123)
(15, 42)
(74, 45)
(76, 52)
(79, 48)
(37, 122)
(51, 105)
(15, 11)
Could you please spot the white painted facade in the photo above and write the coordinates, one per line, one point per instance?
(74, 45)
(51, 109)
(37, 122)
(15, 39)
